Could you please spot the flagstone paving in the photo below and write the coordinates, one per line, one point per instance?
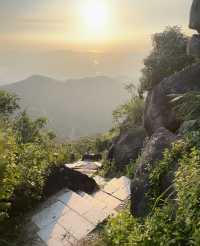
(70, 216)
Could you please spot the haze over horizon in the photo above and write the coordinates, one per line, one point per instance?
(67, 39)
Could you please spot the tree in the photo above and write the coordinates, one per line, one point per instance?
(8, 103)
(169, 55)
(27, 129)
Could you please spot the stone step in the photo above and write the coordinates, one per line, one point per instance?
(64, 217)
(70, 217)
(100, 180)
(95, 202)
(76, 202)
(49, 215)
(119, 188)
(86, 206)
(110, 201)
(99, 212)
(54, 234)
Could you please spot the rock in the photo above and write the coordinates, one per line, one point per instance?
(195, 16)
(152, 153)
(64, 177)
(128, 146)
(194, 46)
(158, 109)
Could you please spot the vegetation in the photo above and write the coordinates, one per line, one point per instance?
(27, 151)
(130, 114)
(175, 213)
(187, 106)
(8, 103)
(171, 221)
(167, 57)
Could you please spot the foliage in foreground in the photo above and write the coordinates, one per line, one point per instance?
(27, 153)
(171, 222)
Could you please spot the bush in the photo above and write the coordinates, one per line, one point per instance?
(27, 151)
(123, 230)
(9, 171)
(8, 103)
(167, 57)
(171, 222)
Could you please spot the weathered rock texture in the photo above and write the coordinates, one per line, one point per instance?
(158, 109)
(195, 16)
(128, 146)
(152, 153)
(64, 177)
(194, 46)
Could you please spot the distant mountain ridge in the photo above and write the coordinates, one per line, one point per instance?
(74, 108)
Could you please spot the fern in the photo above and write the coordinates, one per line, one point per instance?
(187, 105)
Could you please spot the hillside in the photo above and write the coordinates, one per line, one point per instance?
(74, 108)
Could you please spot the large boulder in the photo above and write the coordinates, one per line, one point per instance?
(127, 146)
(158, 109)
(195, 16)
(152, 153)
(194, 46)
(64, 177)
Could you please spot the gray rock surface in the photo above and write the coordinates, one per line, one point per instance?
(152, 153)
(194, 46)
(158, 109)
(195, 16)
(128, 146)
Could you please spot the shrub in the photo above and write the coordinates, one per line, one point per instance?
(8, 103)
(172, 222)
(9, 171)
(167, 57)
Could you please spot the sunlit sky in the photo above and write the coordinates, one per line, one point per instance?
(77, 38)
(87, 24)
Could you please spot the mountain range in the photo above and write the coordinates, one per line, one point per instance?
(74, 108)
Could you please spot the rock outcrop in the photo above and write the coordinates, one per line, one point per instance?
(64, 177)
(127, 146)
(158, 109)
(152, 153)
(194, 46)
(162, 124)
(194, 43)
(195, 16)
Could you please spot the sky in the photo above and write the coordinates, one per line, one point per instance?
(101, 26)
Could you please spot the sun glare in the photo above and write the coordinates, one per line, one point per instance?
(95, 16)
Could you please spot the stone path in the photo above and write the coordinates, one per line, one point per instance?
(69, 217)
(86, 167)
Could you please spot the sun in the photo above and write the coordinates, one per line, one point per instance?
(95, 16)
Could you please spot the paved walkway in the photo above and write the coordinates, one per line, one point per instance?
(69, 217)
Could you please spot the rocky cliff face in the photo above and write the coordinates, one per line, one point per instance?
(162, 125)
(152, 153)
(158, 109)
(127, 146)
